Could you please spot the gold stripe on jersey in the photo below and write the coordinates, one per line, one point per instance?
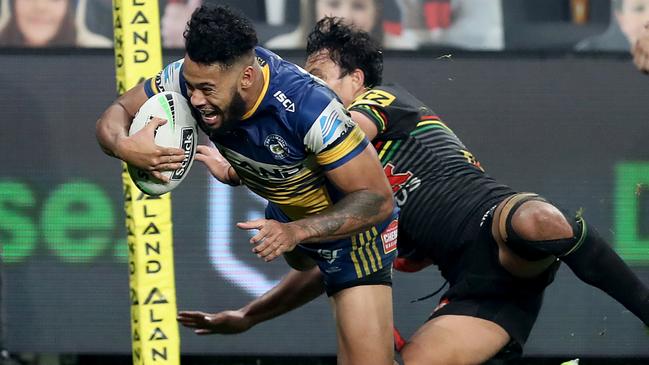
(357, 266)
(368, 250)
(375, 232)
(309, 175)
(373, 238)
(313, 202)
(434, 122)
(384, 149)
(265, 71)
(362, 255)
(298, 190)
(342, 149)
(154, 85)
(372, 111)
(295, 203)
(365, 253)
(375, 114)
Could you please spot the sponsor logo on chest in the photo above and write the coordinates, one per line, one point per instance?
(403, 183)
(266, 171)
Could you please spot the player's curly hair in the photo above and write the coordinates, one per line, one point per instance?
(350, 48)
(218, 34)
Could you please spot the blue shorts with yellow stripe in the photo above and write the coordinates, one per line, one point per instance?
(362, 259)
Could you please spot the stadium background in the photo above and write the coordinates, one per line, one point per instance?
(572, 127)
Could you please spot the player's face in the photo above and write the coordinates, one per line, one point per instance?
(632, 18)
(40, 20)
(362, 13)
(214, 92)
(322, 66)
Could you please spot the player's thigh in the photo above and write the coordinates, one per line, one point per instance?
(454, 339)
(364, 325)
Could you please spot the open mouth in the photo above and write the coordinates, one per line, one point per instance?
(210, 117)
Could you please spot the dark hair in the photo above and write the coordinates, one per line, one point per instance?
(66, 35)
(350, 48)
(217, 34)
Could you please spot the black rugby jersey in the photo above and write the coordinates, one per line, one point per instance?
(438, 184)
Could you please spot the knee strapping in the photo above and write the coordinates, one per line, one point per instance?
(537, 250)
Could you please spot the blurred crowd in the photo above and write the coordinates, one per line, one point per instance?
(582, 25)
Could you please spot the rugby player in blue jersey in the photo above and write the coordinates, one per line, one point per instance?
(286, 136)
(497, 248)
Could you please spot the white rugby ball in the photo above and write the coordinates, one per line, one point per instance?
(180, 131)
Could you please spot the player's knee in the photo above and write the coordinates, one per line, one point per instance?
(534, 229)
(540, 221)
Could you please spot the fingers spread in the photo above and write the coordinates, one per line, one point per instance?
(259, 237)
(206, 150)
(254, 224)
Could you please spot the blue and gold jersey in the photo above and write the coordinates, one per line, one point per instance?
(282, 148)
(297, 130)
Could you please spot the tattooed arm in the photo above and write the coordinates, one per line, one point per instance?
(368, 201)
(354, 213)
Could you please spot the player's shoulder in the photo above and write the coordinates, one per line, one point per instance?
(172, 73)
(302, 97)
(380, 96)
(170, 78)
(387, 97)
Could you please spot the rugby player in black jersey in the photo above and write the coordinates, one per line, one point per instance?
(497, 248)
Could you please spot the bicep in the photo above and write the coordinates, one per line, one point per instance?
(363, 172)
(366, 124)
(133, 99)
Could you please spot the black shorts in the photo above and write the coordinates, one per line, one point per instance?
(480, 287)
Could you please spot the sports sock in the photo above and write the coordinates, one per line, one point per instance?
(597, 264)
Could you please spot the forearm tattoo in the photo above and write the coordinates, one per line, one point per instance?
(351, 214)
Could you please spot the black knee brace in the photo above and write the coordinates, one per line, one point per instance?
(537, 250)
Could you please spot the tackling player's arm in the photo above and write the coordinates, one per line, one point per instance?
(219, 167)
(366, 124)
(138, 150)
(293, 291)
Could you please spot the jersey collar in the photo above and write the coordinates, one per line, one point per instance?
(265, 72)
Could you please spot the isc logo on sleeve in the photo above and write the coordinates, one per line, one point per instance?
(288, 105)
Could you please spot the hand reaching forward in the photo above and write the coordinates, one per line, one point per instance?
(226, 322)
(274, 238)
(219, 167)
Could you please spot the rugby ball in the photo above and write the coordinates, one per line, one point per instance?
(180, 131)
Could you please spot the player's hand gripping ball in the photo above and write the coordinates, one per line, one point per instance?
(180, 132)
